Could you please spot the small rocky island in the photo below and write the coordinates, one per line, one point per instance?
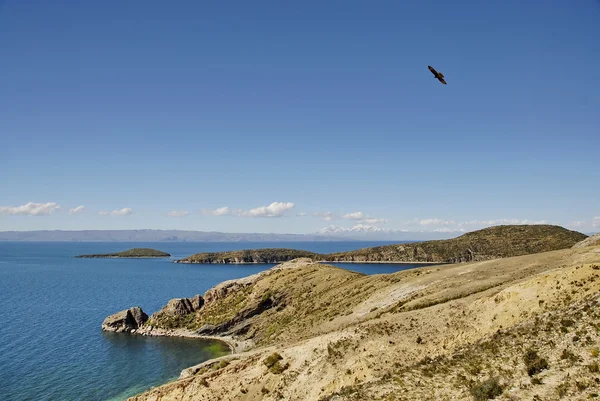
(131, 253)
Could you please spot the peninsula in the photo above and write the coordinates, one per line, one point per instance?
(489, 243)
(131, 253)
(516, 327)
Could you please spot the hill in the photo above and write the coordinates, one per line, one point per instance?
(489, 243)
(517, 328)
(131, 253)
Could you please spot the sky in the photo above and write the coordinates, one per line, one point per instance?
(298, 117)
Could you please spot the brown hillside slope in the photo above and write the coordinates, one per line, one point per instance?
(489, 243)
(434, 333)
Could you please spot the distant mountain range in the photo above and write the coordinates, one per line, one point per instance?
(329, 234)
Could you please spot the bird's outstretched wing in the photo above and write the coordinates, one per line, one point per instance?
(441, 79)
(433, 71)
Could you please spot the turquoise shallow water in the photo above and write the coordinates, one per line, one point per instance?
(52, 306)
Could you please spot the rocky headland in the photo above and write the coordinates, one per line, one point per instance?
(130, 253)
(514, 328)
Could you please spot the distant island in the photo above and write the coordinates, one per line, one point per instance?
(486, 244)
(131, 253)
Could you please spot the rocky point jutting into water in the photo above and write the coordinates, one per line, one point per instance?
(127, 320)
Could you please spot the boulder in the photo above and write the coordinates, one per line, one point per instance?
(125, 321)
(182, 306)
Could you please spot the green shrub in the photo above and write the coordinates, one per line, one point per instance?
(534, 363)
(272, 359)
(486, 390)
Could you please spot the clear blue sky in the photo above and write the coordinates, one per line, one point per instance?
(149, 107)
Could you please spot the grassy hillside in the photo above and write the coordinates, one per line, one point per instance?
(518, 328)
(130, 253)
(489, 243)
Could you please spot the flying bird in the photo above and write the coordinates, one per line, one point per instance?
(438, 75)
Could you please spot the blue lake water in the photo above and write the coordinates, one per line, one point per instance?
(52, 306)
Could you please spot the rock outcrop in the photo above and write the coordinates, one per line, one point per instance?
(126, 321)
(589, 241)
(182, 306)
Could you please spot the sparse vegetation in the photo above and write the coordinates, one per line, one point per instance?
(273, 363)
(486, 390)
(534, 363)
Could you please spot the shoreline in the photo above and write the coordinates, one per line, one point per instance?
(235, 346)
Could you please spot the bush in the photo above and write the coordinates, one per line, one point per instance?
(593, 367)
(534, 363)
(272, 359)
(273, 363)
(278, 368)
(486, 390)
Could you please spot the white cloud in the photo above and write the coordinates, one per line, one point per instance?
(596, 222)
(177, 213)
(363, 218)
(77, 209)
(301, 214)
(222, 211)
(354, 216)
(31, 209)
(372, 220)
(326, 216)
(126, 211)
(576, 224)
(436, 222)
(275, 209)
(358, 228)
(448, 230)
